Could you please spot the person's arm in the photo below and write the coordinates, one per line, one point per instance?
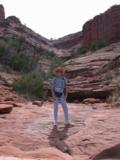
(52, 84)
(66, 93)
(52, 91)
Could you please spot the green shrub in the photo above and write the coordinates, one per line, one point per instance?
(20, 62)
(55, 62)
(98, 45)
(82, 50)
(115, 96)
(2, 50)
(31, 85)
(13, 54)
(108, 77)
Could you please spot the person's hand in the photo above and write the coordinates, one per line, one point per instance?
(66, 96)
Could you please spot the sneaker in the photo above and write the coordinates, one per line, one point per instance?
(55, 124)
(69, 124)
(55, 127)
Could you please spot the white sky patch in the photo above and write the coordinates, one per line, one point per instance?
(56, 18)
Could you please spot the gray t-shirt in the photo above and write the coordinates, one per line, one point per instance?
(59, 83)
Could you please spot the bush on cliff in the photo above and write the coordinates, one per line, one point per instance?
(98, 45)
(31, 85)
(55, 62)
(20, 62)
(115, 96)
(13, 54)
(82, 50)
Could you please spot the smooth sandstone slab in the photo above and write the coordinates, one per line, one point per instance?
(12, 158)
(5, 108)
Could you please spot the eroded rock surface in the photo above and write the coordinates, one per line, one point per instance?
(28, 132)
(104, 27)
(92, 75)
(2, 12)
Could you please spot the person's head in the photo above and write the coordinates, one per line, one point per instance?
(59, 71)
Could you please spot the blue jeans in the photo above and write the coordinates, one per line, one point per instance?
(62, 100)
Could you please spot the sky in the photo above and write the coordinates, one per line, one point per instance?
(56, 18)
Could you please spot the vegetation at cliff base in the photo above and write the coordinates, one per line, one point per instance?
(13, 54)
(98, 45)
(82, 50)
(31, 85)
(115, 96)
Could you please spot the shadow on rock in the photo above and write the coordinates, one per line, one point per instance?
(57, 138)
(113, 152)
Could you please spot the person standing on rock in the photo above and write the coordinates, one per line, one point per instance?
(59, 93)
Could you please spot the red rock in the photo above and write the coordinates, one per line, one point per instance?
(115, 105)
(68, 44)
(13, 158)
(104, 105)
(104, 27)
(5, 108)
(68, 41)
(13, 19)
(91, 100)
(38, 103)
(89, 76)
(9, 99)
(14, 104)
(2, 13)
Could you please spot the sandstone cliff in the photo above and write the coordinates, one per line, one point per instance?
(11, 27)
(69, 44)
(87, 74)
(26, 126)
(2, 13)
(103, 28)
(93, 75)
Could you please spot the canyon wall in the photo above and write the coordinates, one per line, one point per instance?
(2, 12)
(104, 27)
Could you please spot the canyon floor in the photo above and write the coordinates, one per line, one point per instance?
(27, 133)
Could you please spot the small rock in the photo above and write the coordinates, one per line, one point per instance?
(5, 108)
(76, 101)
(91, 100)
(38, 103)
(9, 99)
(115, 105)
(17, 104)
(103, 105)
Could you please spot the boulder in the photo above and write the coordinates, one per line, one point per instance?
(91, 101)
(5, 108)
(38, 103)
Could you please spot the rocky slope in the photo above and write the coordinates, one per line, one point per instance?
(93, 75)
(26, 128)
(34, 45)
(27, 131)
(12, 27)
(103, 28)
(89, 75)
(69, 44)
